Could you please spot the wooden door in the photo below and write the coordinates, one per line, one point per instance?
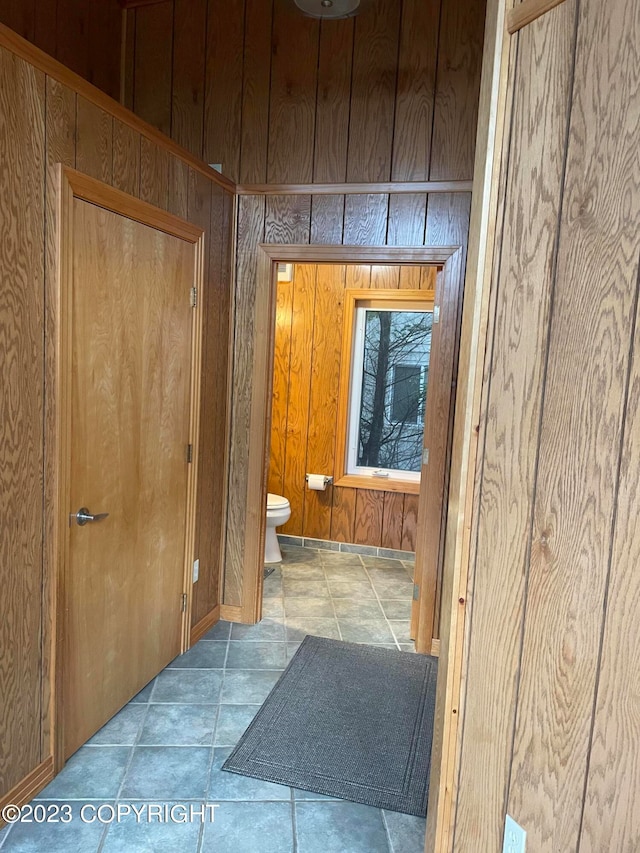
(130, 388)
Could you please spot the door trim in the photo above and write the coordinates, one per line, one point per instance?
(74, 185)
(269, 255)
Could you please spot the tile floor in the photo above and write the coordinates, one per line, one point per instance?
(168, 744)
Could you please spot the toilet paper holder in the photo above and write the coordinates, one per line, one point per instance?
(327, 480)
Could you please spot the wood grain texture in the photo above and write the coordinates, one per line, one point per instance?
(22, 249)
(524, 282)
(333, 100)
(457, 88)
(94, 149)
(417, 60)
(527, 11)
(224, 92)
(302, 331)
(610, 809)
(126, 158)
(385, 277)
(343, 514)
(392, 520)
(323, 403)
(104, 38)
(72, 35)
(154, 174)
(365, 220)
(188, 74)
(292, 103)
(374, 76)
(368, 523)
(178, 203)
(407, 219)
(327, 217)
(409, 523)
(280, 395)
(287, 219)
(152, 65)
(251, 217)
(254, 138)
(581, 428)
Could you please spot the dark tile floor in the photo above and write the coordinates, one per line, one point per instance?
(168, 744)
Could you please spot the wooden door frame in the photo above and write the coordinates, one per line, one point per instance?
(74, 185)
(450, 258)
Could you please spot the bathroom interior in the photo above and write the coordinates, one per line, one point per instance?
(350, 386)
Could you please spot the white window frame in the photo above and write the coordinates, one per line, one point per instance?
(355, 397)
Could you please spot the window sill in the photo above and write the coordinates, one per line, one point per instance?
(379, 484)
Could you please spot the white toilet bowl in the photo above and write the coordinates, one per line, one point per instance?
(278, 513)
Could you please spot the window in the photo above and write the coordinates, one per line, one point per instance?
(388, 366)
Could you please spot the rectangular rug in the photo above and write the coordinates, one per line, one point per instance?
(349, 721)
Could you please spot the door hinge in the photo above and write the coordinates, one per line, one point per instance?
(436, 314)
(189, 452)
(416, 592)
(194, 297)
(184, 602)
(425, 456)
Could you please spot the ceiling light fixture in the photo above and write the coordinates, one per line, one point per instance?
(329, 8)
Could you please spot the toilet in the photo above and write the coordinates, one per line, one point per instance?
(278, 513)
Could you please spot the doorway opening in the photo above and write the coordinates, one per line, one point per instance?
(323, 512)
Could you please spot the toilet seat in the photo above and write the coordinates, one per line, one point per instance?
(276, 501)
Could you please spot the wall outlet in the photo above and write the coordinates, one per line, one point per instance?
(196, 570)
(515, 838)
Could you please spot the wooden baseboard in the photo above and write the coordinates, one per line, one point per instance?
(200, 628)
(231, 612)
(31, 785)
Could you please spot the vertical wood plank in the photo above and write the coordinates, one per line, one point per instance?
(581, 429)
(415, 93)
(255, 91)
(302, 328)
(45, 27)
(428, 278)
(152, 72)
(60, 136)
(179, 188)
(521, 291)
(22, 167)
(71, 38)
(154, 173)
(409, 522)
(410, 277)
(611, 819)
(457, 90)
(94, 152)
(128, 67)
(327, 218)
(384, 277)
(343, 514)
(375, 56)
(288, 219)
(368, 523)
(188, 78)
(280, 397)
(333, 102)
(292, 108)
(392, 518)
(104, 41)
(357, 276)
(126, 158)
(20, 17)
(407, 219)
(323, 405)
(223, 99)
(365, 220)
(251, 216)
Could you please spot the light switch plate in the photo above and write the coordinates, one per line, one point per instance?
(196, 570)
(515, 838)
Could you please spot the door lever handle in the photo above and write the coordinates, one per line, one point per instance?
(83, 516)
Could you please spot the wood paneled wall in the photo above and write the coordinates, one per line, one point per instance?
(391, 94)
(306, 377)
(86, 37)
(437, 219)
(44, 122)
(553, 736)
